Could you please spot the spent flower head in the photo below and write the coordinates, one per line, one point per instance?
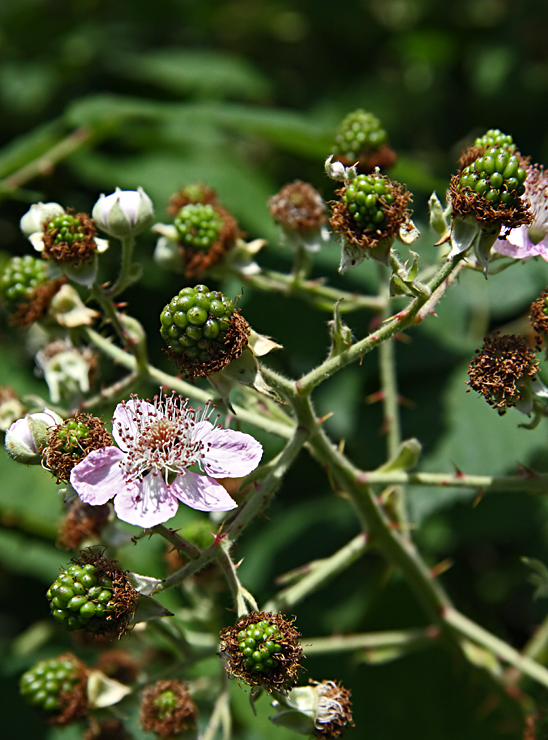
(322, 709)
(538, 316)
(299, 210)
(167, 708)
(263, 649)
(71, 441)
(502, 371)
(149, 472)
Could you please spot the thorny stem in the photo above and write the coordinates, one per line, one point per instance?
(402, 641)
(184, 547)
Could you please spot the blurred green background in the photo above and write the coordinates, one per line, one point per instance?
(246, 95)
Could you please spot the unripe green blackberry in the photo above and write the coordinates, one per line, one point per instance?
(66, 228)
(366, 198)
(263, 649)
(495, 137)
(48, 685)
(198, 225)
(20, 277)
(79, 598)
(258, 645)
(201, 327)
(71, 435)
(359, 131)
(71, 441)
(497, 176)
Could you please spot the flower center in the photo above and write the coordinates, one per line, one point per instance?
(160, 434)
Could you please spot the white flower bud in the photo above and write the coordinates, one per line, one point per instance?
(123, 213)
(26, 436)
(34, 219)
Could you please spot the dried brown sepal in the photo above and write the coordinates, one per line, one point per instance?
(500, 370)
(125, 597)
(282, 677)
(37, 304)
(110, 729)
(195, 193)
(82, 522)
(466, 202)
(368, 160)
(396, 214)
(197, 261)
(59, 462)
(73, 704)
(539, 318)
(298, 206)
(76, 253)
(221, 354)
(167, 722)
(334, 711)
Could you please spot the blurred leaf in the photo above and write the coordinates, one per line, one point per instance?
(538, 577)
(205, 73)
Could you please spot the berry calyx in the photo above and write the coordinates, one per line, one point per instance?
(92, 594)
(198, 225)
(57, 687)
(202, 330)
(21, 276)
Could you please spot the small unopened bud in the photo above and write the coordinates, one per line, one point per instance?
(124, 212)
(26, 437)
(437, 215)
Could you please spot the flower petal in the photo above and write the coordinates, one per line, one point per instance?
(147, 503)
(201, 493)
(226, 453)
(98, 477)
(124, 416)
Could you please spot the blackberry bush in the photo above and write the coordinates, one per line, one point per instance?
(202, 330)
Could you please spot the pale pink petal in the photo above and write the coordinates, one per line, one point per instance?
(147, 503)
(125, 414)
(230, 454)
(98, 477)
(201, 493)
(517, 245)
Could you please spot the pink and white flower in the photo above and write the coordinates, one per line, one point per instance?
(525, 242)
(148, 473)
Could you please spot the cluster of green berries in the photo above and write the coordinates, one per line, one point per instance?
(360, 131)
(66, 229)
(495, 137)
(195, 322)
(42, 685)
(258, 645)
(366, 198)
(20, 277)
(70, 435)
(80, 599)
(198, 225)
(497, 176)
